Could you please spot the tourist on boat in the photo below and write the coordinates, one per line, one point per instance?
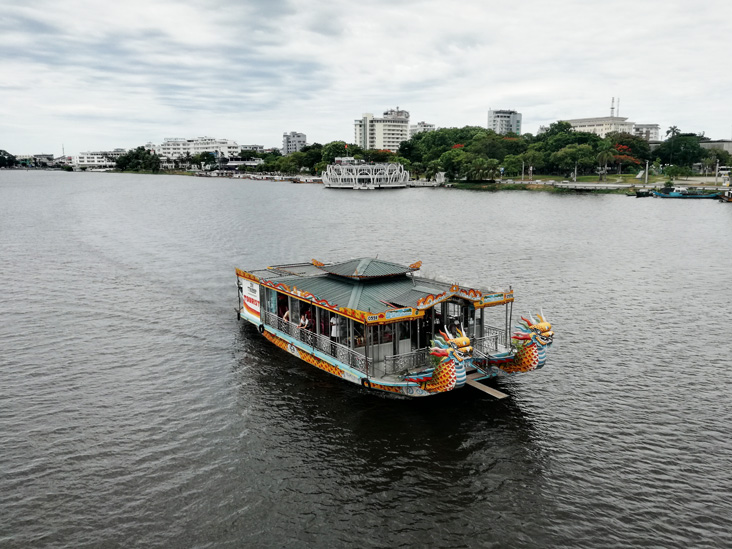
(304, 321)
(286, 316)
(335, 328)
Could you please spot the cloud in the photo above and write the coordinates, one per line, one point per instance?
(108, 75)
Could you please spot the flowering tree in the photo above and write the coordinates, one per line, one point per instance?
(624, 156)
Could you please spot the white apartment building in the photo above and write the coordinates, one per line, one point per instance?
(292, 142)
(385, 133)
(649, 132)
(504, 121)
(253, 148)
(420, 127)
(602, 125)
(97, 159)
(177, 147)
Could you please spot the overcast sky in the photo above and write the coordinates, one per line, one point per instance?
(95, 75)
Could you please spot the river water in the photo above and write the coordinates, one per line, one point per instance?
(136, 412)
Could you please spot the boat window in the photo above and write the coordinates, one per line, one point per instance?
(270, 300)
(282, 305)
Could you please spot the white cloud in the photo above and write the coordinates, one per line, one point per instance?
(103, 75)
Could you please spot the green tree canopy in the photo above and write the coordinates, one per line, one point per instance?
(336, 149)
(681, 150)
(139, 159)
(7, 160)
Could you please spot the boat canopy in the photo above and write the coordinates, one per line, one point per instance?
(366, 267)
(370, 290)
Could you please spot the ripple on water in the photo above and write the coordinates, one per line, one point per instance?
(136, 412)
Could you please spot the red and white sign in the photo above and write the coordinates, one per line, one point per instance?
(250, 297)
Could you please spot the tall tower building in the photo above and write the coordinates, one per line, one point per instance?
(293, 142)
(503, 121)
(385, 133)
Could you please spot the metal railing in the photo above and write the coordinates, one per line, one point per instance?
(401, 364)
(320, 342)
(489, 343)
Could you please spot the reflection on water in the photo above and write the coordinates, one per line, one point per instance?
(136, 411)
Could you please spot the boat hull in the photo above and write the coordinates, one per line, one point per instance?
(333, 366)
(682, 195)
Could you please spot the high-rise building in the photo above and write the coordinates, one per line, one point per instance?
(504, 122)
(293, 142)
(385, 133)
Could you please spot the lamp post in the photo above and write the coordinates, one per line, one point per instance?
(522, 170)
(716, 172)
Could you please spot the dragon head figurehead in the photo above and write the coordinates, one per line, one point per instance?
(532, 339)
(455, 355)
(456, 348)
(539, 333)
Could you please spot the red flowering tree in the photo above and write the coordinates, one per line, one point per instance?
(624, 156)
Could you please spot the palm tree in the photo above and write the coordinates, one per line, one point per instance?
(603, 157)
(478, 169)
(432, 168)
(673, 131)
(493, 169)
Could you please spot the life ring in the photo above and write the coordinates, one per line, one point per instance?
(366, 383)
(261, 328)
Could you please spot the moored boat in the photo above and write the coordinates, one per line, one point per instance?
(726, 196)
(378, 324)
(682, 192)
(349, 173)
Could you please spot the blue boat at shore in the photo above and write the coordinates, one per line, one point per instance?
(683, 192)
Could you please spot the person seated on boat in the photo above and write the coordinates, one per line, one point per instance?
(304, 320)
(286, 316)
(439, 327)
(455, 328)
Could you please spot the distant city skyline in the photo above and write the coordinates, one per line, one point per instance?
(122, 75)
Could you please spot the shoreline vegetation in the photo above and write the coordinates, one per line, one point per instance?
(617, 184)
(472, 158)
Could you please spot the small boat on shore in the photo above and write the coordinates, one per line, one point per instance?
(379, 325)
(683, 192)
(726, 196)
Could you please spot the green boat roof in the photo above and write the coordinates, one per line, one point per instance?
(365, 284)
(366, 267)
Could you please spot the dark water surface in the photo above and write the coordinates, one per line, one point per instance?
(136, 412)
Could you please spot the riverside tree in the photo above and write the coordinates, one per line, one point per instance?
(139, 159)
(7, 160)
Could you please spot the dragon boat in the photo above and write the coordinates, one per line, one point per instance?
(377, 324)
